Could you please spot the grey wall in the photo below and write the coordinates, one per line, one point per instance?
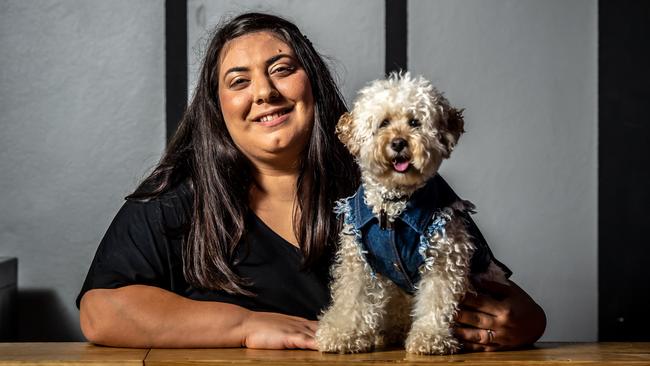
(82, 89)
(526, 72)
(82, 93)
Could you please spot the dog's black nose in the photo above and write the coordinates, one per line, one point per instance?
(398, 144)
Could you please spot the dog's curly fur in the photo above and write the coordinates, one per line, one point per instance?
(367, 309)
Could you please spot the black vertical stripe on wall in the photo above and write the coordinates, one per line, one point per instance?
(623, 170)
(396, 35)
(175, 63)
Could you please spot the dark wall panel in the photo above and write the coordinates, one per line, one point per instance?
(624, 166)
(396, 35)
(175, 63)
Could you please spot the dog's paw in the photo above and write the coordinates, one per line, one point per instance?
(426, 343)
(380, 341)
(333, 341)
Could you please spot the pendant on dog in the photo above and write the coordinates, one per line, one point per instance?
(383, 219)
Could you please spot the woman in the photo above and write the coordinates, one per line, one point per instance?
(227, 243)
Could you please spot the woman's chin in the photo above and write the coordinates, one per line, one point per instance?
(277, 155)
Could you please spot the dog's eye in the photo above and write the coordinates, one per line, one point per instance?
(384, 123)
(414, 123)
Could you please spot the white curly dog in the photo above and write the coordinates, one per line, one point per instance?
(399, 130)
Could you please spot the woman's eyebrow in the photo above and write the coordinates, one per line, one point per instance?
(235, 69)
(276, 57)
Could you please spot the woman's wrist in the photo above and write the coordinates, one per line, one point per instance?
(242, 329)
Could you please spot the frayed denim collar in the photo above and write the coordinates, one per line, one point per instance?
(417, 214)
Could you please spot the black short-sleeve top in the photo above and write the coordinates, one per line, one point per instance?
(143, 245)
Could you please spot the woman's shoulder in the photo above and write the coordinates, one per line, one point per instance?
(171, 209)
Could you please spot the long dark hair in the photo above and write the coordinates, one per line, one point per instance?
(203, 154)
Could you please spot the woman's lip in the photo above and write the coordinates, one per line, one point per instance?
(275, 122)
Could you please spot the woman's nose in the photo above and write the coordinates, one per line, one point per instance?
(265, 91)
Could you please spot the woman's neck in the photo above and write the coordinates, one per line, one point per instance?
(277, 185)
(273, 199)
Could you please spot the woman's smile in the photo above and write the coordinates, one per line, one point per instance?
(273, 117)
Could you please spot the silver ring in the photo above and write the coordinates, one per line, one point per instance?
(490, 335)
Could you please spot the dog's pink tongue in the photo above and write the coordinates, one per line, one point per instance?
(401, 166)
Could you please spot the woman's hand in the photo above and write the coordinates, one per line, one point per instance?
(499, 317)
(278, 331)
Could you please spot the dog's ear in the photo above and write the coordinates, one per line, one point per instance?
(345, 133)
(453, 129)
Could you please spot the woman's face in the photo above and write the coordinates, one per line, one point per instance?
(266, 99)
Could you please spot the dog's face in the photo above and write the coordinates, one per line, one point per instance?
(400, 130)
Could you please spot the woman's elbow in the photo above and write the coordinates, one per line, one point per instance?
(92, 315)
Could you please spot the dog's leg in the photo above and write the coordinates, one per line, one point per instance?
(435, 306)
(352, 321)
(439, 292)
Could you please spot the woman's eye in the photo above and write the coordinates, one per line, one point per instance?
(237, 82)
(414, 123)
(384, 123)
(283, 70)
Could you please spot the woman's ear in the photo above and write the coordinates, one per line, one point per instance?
(453, 129)
(345, 133)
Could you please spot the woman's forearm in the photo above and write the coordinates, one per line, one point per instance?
(145, 316)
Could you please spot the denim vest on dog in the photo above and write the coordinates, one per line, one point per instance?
(398, 251)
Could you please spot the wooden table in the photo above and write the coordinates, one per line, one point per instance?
(60, 354)
(68, 354)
